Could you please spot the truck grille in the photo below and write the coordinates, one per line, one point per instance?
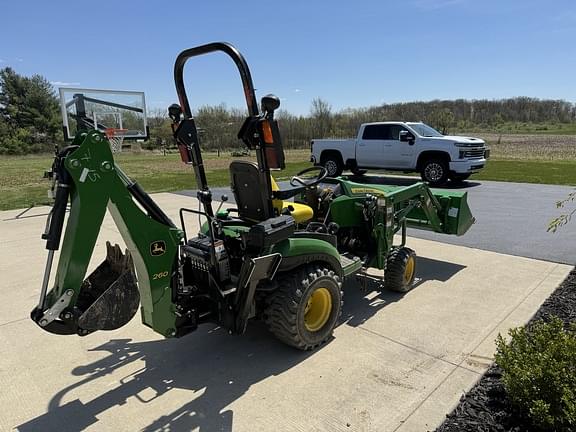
(474, 153)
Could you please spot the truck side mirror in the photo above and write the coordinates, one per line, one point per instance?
(406, 136)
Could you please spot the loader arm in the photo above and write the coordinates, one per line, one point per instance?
(87, 174)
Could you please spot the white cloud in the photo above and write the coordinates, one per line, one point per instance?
(20, 60)
(64, 84)
(297, 90)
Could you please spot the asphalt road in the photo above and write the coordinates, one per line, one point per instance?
(511, 218)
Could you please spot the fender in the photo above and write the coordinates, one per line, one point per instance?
(298, 251)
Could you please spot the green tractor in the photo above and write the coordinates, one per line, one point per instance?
(270, 258)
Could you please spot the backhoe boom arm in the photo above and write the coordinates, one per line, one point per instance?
(86, 174)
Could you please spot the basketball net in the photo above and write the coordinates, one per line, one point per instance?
(115, 138)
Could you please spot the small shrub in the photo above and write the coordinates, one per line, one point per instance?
(539, 373)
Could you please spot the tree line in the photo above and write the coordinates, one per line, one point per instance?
(29, 114)
(30, 117)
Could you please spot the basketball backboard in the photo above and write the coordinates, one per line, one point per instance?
(103, 110)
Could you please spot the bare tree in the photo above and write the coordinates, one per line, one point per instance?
(321, 113)
(157, 117)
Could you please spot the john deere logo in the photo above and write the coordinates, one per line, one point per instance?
(157, 248)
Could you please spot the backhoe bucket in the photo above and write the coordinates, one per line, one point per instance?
(109, 297)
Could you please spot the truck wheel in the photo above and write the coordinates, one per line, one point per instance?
(434, 171)
(357, 171)
(400, 269)
(459, 178)
(303, 311)
(333, 165)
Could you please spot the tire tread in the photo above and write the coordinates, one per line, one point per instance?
(395, 267)
(281, 309)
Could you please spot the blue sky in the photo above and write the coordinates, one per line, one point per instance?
(352, 53)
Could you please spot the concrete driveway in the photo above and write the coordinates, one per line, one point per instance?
(396, 363)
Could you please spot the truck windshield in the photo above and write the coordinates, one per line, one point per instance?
(425, 130)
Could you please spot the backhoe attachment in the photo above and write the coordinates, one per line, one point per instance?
(109, 297)
(85, 175)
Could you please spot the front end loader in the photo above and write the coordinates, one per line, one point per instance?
(271, 257)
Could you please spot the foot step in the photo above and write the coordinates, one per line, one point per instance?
(350, 263)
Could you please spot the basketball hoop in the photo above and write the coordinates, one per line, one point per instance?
(115, 138)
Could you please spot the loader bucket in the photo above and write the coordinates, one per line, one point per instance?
(109, 297)
(455, 214)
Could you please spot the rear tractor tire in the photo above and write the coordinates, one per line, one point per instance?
(304, 310)
(400, 270)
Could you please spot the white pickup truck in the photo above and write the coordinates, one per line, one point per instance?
(403, 146)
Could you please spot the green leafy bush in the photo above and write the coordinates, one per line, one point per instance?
(539, 373)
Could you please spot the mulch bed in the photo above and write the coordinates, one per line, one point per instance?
(486, 408)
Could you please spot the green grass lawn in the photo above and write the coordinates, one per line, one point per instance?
(21, 182)
(530, 171)
(22, 185)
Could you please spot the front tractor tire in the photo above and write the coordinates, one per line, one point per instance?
(434, 171)
(400, 270)
(304, 310)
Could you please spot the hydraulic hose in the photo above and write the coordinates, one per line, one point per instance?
(57, 214)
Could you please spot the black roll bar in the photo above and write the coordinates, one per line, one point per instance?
(238, 59)
(204, 194)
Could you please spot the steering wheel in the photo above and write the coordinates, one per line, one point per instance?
(296, 181)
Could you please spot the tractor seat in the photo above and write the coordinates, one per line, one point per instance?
(301, 213)
(249, 187)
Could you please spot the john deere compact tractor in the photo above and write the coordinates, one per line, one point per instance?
(270, 257)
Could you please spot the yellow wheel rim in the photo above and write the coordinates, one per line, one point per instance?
(409, 270)
(318, 309)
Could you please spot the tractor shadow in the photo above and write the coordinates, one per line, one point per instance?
(397, 180)
(216, 367)
(364, 297)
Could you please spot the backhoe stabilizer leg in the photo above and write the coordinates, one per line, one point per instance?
(107, 300)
